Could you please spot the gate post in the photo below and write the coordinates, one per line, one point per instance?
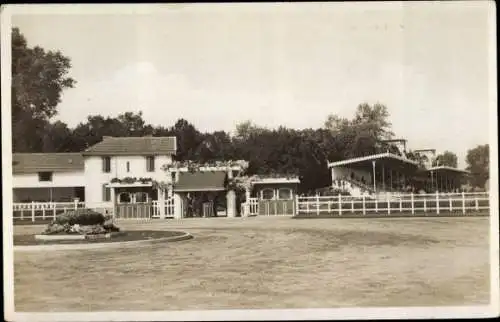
(231, 203)
(161, 203)
(177, 206)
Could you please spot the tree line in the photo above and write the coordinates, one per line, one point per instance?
(39, 77)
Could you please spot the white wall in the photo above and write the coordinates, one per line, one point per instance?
(339, 172)
(59, 179)
(95, 178)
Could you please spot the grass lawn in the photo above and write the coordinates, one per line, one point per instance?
(266, 262)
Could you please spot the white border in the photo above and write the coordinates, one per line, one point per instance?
(211, 315)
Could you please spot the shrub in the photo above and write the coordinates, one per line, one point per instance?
(81, 217)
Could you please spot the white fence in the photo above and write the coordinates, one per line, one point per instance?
(43, 211)
(169, 208)
(34, 211)
(438, 203)
(250, 207)
(409, 204)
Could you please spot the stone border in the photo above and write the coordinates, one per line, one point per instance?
(28, 248)
(79, 237)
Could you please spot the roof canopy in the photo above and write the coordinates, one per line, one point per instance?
(201, 181)
(146, 145)
(444, 168)
(39, 162)
(384, 158)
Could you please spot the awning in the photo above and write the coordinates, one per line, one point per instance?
(448, 169)
(201, 181)
(388, 159)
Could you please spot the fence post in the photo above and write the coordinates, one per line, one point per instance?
(477, 203)
(463, 202)
(33, 211)
(352, 205)
(451, 204)
(54, 210)
(400, 203)
(364, 207)
(376, 204)
(340, 204)
(412, 204)
(437, 202)
(317, 204)
(296, 206)
(425, 203)
(75, 202)
(388, 205)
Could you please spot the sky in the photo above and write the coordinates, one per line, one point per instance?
(280, 64)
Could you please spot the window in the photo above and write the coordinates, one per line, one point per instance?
(285, 194)
(141, 197)
(128, 166)
(267, 194)
(45, 176)
(106, 164)
(150, 163)
(124, 197)
(106, 193)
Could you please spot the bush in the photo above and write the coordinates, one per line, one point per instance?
(80, 217)
(53, 228)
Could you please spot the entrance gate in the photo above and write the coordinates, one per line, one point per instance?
(134, 211)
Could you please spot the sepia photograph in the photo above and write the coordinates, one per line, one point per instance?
(250, 161)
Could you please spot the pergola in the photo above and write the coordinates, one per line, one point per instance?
(387, 169)
(445, 178)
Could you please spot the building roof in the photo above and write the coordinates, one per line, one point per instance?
(447, 168)
(201, 181)
(373, 157)
(146, 145)
(39, 162)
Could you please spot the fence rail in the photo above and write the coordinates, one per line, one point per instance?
(437, 203)
(411, 204)
(45, 211)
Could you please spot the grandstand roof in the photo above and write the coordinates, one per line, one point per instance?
(374, 157)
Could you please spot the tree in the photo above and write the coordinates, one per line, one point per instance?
(188, 140)
(478, 164)
(38, 79)
(362, 135)
(447, 158)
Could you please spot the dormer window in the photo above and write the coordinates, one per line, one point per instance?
(150, 163)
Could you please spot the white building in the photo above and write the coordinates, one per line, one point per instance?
(123, 173)
(48, 177)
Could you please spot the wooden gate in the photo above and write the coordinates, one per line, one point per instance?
(276, 207)
(134, 211)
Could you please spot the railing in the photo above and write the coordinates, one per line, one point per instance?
(438, 203)
(45, 211)
(34, 210)
(169, 208)
(250, 207)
